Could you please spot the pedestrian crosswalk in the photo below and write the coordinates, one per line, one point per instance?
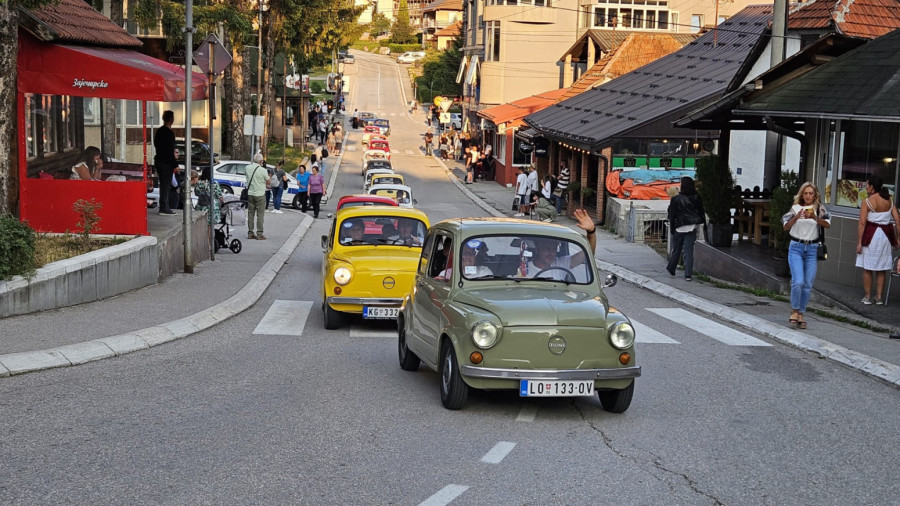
(290, 318)
(351, 148)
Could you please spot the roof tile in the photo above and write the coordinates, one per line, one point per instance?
(865, 19)
(75, 21)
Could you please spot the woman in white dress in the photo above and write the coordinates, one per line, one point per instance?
(88, 166)
(876, 237)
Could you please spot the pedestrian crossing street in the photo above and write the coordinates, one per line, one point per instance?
(289, 318)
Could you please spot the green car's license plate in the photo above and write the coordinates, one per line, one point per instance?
(544, 388)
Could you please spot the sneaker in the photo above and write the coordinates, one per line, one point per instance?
(548, 220)
(261, 237)
(251, 235)
(671, 273)
(167, 212)
(519, 214)
(867, 301)
(268, 211)
(278, 211)
(687, 278)
(879, 302)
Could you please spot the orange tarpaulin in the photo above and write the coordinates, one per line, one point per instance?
(628, 190)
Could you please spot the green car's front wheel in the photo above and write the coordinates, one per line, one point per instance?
(408, 360)
(616, 401)
(454, 390)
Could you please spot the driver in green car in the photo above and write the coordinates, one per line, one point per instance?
(545, 257)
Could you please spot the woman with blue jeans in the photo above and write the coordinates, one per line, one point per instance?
(802, 222)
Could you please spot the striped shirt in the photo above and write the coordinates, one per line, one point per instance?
(562, 181)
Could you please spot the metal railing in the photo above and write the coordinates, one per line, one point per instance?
(647, 226)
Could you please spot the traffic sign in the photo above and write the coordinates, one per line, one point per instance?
(220, 56)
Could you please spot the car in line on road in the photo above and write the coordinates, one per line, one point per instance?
(507, 304)
(367, 268)
(375, 154)
(384, 126)
(402, 193)
(345, 57)
(376, 164)
(231, 177)
(387, 179)
(367, 180)
(380, 143)
(368, 132)
(411, 57)
(362, 200)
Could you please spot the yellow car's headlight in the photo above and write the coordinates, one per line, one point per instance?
(621, 335)
(342, 275)
(485, 334)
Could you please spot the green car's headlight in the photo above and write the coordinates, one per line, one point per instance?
(342, 275)
(621, 335)
(485, 334)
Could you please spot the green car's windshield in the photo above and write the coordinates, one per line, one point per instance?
(522, 257)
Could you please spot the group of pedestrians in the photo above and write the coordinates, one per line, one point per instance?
(545, 196)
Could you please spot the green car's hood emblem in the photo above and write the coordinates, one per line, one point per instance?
(538, 306)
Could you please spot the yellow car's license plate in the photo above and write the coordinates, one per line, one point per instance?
(544, 388)
(380, 312)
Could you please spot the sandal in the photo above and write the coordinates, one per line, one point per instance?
(794, 318)
(801, 324)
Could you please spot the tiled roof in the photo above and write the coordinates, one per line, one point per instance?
(637, 50)
(836, 88)
(444, 5)
(450, 31)
(607, 40)
(518, 109)
(865, 19)
(74, 21)
(696, 73)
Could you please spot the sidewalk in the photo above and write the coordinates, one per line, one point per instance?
(201, 305)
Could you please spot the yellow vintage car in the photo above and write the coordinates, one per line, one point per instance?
(370, 261)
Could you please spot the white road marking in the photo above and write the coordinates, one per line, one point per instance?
(284, 318)
(527, 414)
(709, 328)
(351, 148)
(498, 452)
(409, 152)
(445, 495)
(372, 333)
(644, 334)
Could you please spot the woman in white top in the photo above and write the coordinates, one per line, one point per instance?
(87, 168)
(803, 222)
(876, 237)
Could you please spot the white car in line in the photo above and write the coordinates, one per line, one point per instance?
(399, 192)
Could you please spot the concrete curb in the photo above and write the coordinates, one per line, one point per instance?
(889, 373)
(462, 187)
(106, 347)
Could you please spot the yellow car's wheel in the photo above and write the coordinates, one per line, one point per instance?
(332, 318)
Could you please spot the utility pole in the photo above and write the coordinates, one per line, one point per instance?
(188, 89)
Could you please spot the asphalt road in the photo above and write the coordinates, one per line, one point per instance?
(269, 408)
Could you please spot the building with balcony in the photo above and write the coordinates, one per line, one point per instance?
(437, 16)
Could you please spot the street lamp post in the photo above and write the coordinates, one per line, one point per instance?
(263, 6)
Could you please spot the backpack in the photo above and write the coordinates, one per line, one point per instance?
(273, 181)
(324, 153)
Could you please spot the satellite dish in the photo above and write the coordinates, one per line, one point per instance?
(709, 145)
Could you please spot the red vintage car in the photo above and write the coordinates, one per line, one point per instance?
(380, 144)
(366, 200)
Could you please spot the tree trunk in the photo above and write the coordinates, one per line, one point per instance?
(268, 92)
(9, 49)
(237, 93)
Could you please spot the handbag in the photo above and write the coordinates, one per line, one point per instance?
(515, 205)
(822, 252)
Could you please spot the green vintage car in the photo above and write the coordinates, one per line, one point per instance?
(506, 304)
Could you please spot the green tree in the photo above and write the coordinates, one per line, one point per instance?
(439, 73)
(401, 32)
(380, 25)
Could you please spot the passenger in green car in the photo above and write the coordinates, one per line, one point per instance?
(545, 255)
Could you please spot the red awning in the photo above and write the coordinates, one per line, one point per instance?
(55, 69)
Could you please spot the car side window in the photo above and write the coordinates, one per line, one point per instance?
(440, 260)
(426, 255)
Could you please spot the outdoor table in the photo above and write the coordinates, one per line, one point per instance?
(759, 208)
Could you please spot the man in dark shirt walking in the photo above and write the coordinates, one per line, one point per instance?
(165, 161)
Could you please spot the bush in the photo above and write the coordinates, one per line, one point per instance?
(316, 87)
(782, 200)
(715, 185)
(402, 48)
(16, 248)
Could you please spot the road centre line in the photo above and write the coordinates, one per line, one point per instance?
(709, 328)
(444, 495)
(498, 452)
(527, 414)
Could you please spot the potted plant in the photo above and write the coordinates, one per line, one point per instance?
(715, 185)
(782, 200)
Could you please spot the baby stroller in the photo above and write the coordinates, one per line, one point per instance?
(231, 214)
